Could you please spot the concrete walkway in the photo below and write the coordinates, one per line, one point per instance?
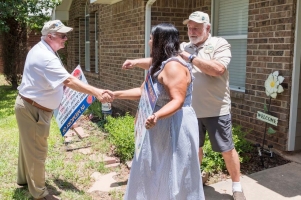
(278, 183)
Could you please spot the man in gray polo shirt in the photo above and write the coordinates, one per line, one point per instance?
(210, 57)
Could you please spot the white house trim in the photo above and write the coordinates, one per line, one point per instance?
(295, 82)
(104, 1)
(147, 28)
(61, 12)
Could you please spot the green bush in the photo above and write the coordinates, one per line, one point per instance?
(94, 112)
(214, 162)
(121, 135)
(94, 109)
(242, 146)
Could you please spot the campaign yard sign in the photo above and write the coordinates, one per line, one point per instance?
(73, 104)
(146, 107)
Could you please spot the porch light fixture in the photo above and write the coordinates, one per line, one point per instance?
(272, 85)
(104, 1)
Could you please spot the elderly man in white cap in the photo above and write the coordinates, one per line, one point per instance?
(210, 57)
(211, 101)
(40, 92)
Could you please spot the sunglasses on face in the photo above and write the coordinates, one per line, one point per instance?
(62, 36)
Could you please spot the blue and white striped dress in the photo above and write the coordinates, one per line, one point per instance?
(168, 166)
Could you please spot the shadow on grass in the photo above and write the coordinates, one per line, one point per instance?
(121, 183)
(7, 100)
(64, 185)
(21, 193)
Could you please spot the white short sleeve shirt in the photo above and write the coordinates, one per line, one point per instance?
(43, 76)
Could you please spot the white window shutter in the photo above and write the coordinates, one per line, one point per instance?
(237, 67)
(231, 23)
(96, 43)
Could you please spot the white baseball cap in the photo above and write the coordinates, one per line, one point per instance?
(198, 17)
(55, 26)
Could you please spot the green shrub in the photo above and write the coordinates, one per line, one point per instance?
(94, 112)
(121, 135)
(242, 146)
(94, 109)
(214, 162)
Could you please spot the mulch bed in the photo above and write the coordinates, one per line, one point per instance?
(255, 163)
(252, 166)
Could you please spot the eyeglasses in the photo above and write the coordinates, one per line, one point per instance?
(194, 28)
(62, 36)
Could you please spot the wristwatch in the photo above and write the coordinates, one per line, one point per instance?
(191, 57)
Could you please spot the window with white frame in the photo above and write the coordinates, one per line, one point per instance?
(230, 21)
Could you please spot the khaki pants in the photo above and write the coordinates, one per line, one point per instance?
(34, 125)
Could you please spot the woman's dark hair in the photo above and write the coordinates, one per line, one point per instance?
(165, 44)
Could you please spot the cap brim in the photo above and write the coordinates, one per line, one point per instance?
(187, 20)
(64, 29)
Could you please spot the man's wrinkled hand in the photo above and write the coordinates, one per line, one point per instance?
(105, 96)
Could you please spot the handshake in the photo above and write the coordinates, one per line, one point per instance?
(104, 96)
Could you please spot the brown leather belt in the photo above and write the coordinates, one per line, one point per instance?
(35, 104)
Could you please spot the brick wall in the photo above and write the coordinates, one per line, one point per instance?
(76, 38)
(270, 48)
(121, 36)
(33, 38)
(175, 12)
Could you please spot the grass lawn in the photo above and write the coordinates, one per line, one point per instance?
(67, 173)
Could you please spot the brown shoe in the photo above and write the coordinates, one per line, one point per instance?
(49, 197)
(239, 196)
